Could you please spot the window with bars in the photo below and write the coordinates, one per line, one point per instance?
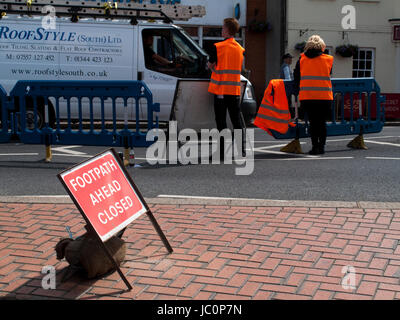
(363, 63)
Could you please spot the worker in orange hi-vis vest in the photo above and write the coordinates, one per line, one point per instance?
(273, 113)
(313, 77)
(225, 62)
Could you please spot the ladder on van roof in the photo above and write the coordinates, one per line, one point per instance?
(132, 11)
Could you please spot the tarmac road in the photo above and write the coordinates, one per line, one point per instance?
(342, 174)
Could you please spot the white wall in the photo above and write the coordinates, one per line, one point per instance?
(373, 30)
(217, 11)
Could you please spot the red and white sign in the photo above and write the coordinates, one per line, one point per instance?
(104, 194)
(392, 105)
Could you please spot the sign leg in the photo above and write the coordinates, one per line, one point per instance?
(116, 266)
(159, 231)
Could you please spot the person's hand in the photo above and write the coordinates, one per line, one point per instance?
(211, 66)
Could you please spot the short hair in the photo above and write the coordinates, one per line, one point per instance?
(286, 56)
(315, 42)
(232, 25)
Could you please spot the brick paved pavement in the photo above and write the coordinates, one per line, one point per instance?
(220, 252)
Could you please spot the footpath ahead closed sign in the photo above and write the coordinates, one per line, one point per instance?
(104, 193)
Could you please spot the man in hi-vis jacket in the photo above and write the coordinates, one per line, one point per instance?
(226, 62)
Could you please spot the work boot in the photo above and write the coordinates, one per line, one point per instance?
(314, 151)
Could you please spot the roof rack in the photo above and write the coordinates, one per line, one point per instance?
(98, 9)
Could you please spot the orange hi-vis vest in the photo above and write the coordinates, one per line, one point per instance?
(225, 79)
(273, 113)
(315, 78)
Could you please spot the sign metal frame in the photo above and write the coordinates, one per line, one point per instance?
(140, 198)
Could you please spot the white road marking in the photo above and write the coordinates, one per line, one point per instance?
(349, 139)
(299, 155)
(384, 143)
(266, 150)
(72, 155)
(260, 141)
(19, 154)
(275, 146)
(66, 149)
(199, 197)
(309, 158)
(381, 158)
(48, 196)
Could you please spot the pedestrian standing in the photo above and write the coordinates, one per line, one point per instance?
(226, 60)
(312, 75)
(286, 72)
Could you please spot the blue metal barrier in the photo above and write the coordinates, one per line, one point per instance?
(5, 132)
(343, 121)
(39, 105)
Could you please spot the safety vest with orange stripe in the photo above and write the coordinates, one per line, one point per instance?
(273, 113)
(315, 79)
(225, 78)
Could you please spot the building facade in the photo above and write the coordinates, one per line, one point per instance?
(252, 17)
(367, 24)
(271, 28)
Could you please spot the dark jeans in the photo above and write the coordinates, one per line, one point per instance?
(232, 104)
(317, 111)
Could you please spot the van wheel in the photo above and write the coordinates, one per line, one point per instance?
(30, 114)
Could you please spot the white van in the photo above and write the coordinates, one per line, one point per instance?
(104, 50)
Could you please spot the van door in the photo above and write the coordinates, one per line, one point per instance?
(156, 75)
(166, 55)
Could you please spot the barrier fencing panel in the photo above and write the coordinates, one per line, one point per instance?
(5, 132)
(357, 108)
(96, 113)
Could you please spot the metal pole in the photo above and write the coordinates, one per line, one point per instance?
(159, 231)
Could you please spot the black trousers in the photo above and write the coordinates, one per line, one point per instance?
(317, 112)
(232, 104)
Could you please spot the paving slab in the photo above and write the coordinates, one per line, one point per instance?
(223, 249)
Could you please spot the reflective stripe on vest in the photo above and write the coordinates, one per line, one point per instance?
(315, 89)
(227, 72)
(263, 116)
(315, 80)
(272, 108)
(225, 79)
(225, 83)
(273, 113)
